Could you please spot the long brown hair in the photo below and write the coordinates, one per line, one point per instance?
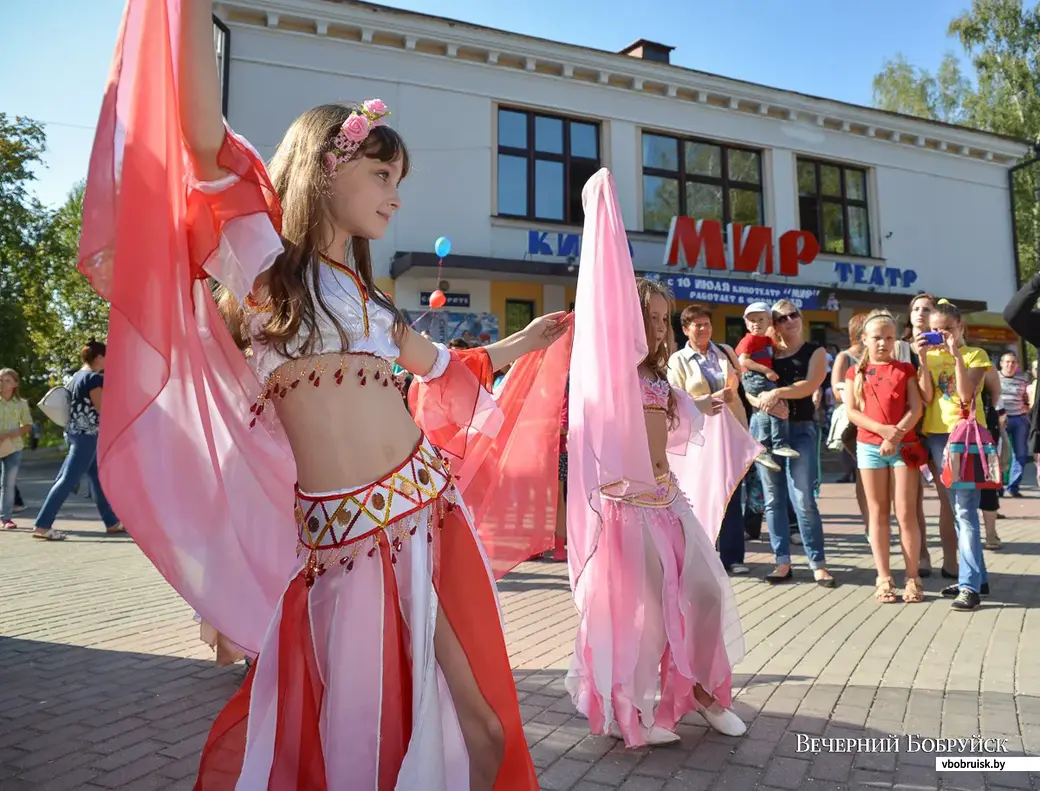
(908, 335)
(302, 184)
(657, 359)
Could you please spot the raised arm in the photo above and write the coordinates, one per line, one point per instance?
(1021, 313)
(202, 122)
(420, 355)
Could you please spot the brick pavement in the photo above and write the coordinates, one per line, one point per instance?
(104, 685)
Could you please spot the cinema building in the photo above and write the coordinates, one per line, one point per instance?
(734, 192)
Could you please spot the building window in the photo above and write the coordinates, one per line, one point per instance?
(543, 164)
(222, 49)
(832, 205)
(699, 179)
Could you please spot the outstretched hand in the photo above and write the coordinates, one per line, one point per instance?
(544, 331)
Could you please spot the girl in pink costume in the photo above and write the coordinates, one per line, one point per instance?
(657, 613)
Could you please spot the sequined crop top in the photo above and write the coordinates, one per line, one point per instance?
(655, 394)
(368, 325)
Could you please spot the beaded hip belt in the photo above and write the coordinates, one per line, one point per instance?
(329, 521)
(662, 497)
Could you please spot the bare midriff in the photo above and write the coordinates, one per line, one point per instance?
(657, 435)
(345, 435)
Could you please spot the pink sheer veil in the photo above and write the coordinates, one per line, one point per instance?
(606, 440)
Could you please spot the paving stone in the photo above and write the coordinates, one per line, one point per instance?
(109, 688)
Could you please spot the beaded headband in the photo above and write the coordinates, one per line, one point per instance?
(353, 133)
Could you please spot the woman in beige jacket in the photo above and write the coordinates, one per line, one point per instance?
(701, 368)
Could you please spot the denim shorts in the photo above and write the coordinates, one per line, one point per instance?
(868, 457)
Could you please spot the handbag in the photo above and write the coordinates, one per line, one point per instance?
(55, 405)
(970, 460)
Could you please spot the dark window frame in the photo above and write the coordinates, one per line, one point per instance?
(527, 303)
(723, 181)
(225, 56)
(532, 156)
(844, 201)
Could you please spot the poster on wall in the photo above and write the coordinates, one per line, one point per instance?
(444, 325)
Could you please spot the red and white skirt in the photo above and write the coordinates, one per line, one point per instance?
(346, 694)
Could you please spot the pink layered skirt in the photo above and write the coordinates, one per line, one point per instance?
(657, 617)
(346, 693)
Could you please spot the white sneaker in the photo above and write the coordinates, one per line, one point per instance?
(767, 461)
(787, 453)
(723, 720)
(796, 538)
(739, 568)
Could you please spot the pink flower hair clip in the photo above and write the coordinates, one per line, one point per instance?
(354, 132)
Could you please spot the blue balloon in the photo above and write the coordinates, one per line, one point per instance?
(442, 246)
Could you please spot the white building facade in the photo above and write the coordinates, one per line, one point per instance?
(504, 130)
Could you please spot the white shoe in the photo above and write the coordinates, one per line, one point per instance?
(787, 453)
(723, 720)
(655, 737)
(661, 736)
(739, 568)
(767, 461)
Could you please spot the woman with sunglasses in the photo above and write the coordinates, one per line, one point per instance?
(801, 366)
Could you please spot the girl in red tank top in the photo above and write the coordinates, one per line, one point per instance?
(885, 403)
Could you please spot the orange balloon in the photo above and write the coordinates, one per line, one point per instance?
(438, 300)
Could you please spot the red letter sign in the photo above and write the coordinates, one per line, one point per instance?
(748, 246)
(797, 247)
(690, 237)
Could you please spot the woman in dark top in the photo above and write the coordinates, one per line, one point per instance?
(1023, 317)
(81, 434)
(802, 367)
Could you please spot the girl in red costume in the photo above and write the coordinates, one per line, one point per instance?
(290, 498)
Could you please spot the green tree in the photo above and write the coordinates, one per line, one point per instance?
(63, 310)
(1002, 41)
(47, 309)
(22, 143)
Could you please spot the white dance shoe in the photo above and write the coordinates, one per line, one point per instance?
(723, 720)
(655, 736)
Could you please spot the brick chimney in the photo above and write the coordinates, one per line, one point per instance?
(649, 50)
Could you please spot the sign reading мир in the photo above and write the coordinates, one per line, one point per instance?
(749, 247)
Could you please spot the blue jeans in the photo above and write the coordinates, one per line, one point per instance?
(8, 480)
(965, 504)
(82, 460)
(1018, 435)
(731, 535)
(797, 481)
(771, 432)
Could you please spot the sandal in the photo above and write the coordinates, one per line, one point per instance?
(119, 529)
(993, 543)
(912, 590)
(885, 590)
(50, 535)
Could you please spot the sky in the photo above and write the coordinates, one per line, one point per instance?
(56, 53)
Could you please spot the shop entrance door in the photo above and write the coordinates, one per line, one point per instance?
(519, 313)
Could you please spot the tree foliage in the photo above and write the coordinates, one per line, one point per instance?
(47, 309)
(1001, 39)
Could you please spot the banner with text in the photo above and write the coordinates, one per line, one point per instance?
(736, 292)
